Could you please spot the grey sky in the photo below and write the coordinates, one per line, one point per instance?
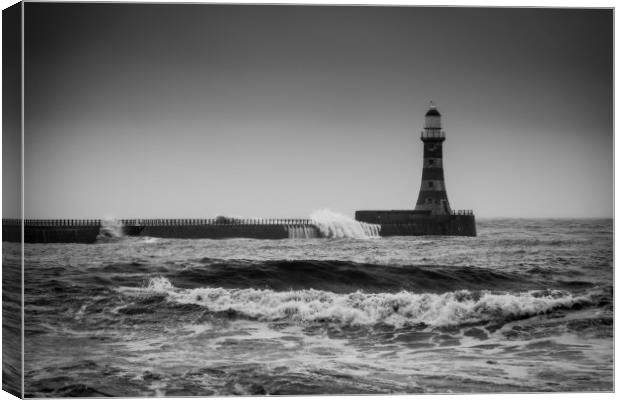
(200, 110)
(11, 112)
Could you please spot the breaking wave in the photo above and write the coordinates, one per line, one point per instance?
(359, 308)
(334, 225)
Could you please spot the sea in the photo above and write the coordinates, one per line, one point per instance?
(526, 306)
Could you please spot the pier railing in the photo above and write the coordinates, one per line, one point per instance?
(60, 222)
(216, 221)
(171, 222)
(433, 135)
(462, 212)
(157, 222)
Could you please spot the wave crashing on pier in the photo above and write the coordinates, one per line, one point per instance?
(335, 225)
(322, 223)
(111, 229)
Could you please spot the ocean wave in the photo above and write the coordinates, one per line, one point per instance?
(337, 276)
(359, 308)
(347, 276)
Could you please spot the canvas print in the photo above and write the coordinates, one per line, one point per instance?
(232, 199)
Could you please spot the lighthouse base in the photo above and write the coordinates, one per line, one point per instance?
(419, 223)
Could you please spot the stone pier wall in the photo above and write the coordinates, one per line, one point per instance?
(87, 231)
(221, 231)
(420, 223)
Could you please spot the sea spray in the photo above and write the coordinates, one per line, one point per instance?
(335, 225)
(396, 309)
(111, 229)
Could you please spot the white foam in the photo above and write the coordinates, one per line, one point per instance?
(396, 309)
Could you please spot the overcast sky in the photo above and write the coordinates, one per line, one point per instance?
(203, 110)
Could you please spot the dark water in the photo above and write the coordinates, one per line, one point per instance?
(11, 319)
(525, 306)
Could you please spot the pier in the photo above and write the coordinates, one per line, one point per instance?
(381, 223)
(90, 230)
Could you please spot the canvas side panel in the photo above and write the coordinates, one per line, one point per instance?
(11, 200)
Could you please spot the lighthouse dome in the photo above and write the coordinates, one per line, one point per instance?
(432, 112)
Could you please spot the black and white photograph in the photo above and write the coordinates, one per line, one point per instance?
(209, 199)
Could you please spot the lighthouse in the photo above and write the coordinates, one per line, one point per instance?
(433, 197)
(432, 214)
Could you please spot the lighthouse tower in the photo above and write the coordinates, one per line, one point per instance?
(432, 214)
(433, 197)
